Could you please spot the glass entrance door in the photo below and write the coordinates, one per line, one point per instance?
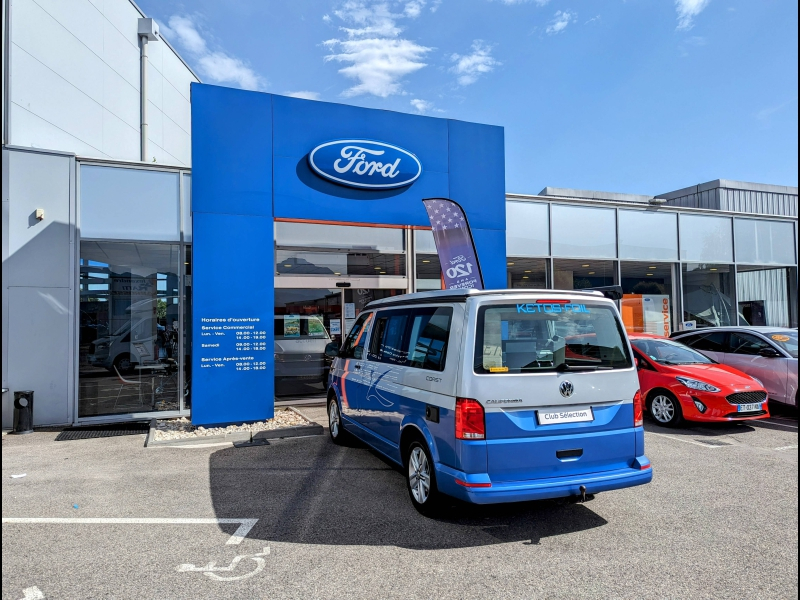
(307, 320)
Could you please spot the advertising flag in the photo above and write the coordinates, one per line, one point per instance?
(454, 244)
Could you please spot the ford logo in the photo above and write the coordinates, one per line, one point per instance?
(365, 164)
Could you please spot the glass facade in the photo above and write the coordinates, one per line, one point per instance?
(136, 278)
(677, 268)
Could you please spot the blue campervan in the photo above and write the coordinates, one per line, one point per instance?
(493, 396)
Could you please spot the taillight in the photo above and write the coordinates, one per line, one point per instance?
(638, 409)
(469, 420)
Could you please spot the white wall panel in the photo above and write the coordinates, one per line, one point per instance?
(175, 72)
(42, 92)
(155, 130)
(177, 142)
(38, 133)
(155, 81)
(75, 70)
(120, 140)
(120, 54)
(80, 17)
(120, 97)
(47, 41)
(177, 107)
(125, 19)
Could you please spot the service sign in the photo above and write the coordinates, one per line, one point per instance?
(365, 164)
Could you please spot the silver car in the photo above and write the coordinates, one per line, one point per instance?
(767, 353)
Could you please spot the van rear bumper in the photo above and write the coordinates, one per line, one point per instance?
(540, 489)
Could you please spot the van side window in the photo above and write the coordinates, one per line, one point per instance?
(389, 340)
(430, 331)
(353, 346)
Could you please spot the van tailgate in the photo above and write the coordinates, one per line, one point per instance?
(519, 448)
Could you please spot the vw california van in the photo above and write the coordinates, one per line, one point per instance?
(493, 396)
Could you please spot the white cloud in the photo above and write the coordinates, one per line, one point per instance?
(560, 21)
(304, 94)
(215, 66)
(326, 18)
(470, 66)
(435, 5)
(422, 106)
(378, 57)
(687, 10)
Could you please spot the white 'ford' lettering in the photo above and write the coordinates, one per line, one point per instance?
(356, 158)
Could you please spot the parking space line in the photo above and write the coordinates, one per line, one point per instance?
(771, 422)
(677, 439)
(245, 525)
(787, 447)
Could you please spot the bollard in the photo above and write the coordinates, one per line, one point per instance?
(23, 412)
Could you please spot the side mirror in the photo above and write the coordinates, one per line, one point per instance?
(769, 353)
(639, 364)
(332, 350)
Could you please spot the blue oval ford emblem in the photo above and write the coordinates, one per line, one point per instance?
(365, 164)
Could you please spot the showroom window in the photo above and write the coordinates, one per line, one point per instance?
(527, 229)
(648, 299)
(583, 274)
(766, 295)
(527, 273)
(428, 271)
(580, 231)
(708, 294)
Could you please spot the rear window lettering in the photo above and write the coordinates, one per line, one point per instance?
(551, 308)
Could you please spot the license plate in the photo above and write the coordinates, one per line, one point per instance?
(749, 407)
(554, 417)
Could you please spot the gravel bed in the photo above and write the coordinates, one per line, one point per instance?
(180, 429)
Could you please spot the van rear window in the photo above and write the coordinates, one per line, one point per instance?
(524, 338)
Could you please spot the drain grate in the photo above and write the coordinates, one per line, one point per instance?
(101, 431)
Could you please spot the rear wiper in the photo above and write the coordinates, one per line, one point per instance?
(566, 367)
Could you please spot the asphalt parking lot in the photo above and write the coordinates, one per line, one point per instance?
(718, 521)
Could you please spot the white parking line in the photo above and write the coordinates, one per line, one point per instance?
(771, 422)
(245, 525)
(678, 439)
(787, 447)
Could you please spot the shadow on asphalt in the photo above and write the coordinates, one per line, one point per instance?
(310, 491)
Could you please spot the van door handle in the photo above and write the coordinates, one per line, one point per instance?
(358, 366)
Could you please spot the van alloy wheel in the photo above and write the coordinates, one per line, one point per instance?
(419, 475)
(333, 419)
(663, 409)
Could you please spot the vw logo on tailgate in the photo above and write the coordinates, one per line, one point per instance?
(365, 164)
(566, 388)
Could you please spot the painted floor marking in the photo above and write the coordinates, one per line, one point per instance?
(245, 525)
(778, 424)
(211, 570)
(695, 442)
(787, 447)
(33, 593)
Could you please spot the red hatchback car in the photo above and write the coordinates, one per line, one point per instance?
(679, 383)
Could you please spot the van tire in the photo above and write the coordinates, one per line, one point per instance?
(419, 468)
(667, 411)
(335, 427)
(123, 364)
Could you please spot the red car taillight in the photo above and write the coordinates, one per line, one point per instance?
(469, 420)
(638, 409)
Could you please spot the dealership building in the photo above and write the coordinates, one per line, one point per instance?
(169, 248)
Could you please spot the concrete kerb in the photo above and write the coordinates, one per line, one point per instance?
(238, 436)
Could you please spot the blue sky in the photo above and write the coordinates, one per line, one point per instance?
(639, 96)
